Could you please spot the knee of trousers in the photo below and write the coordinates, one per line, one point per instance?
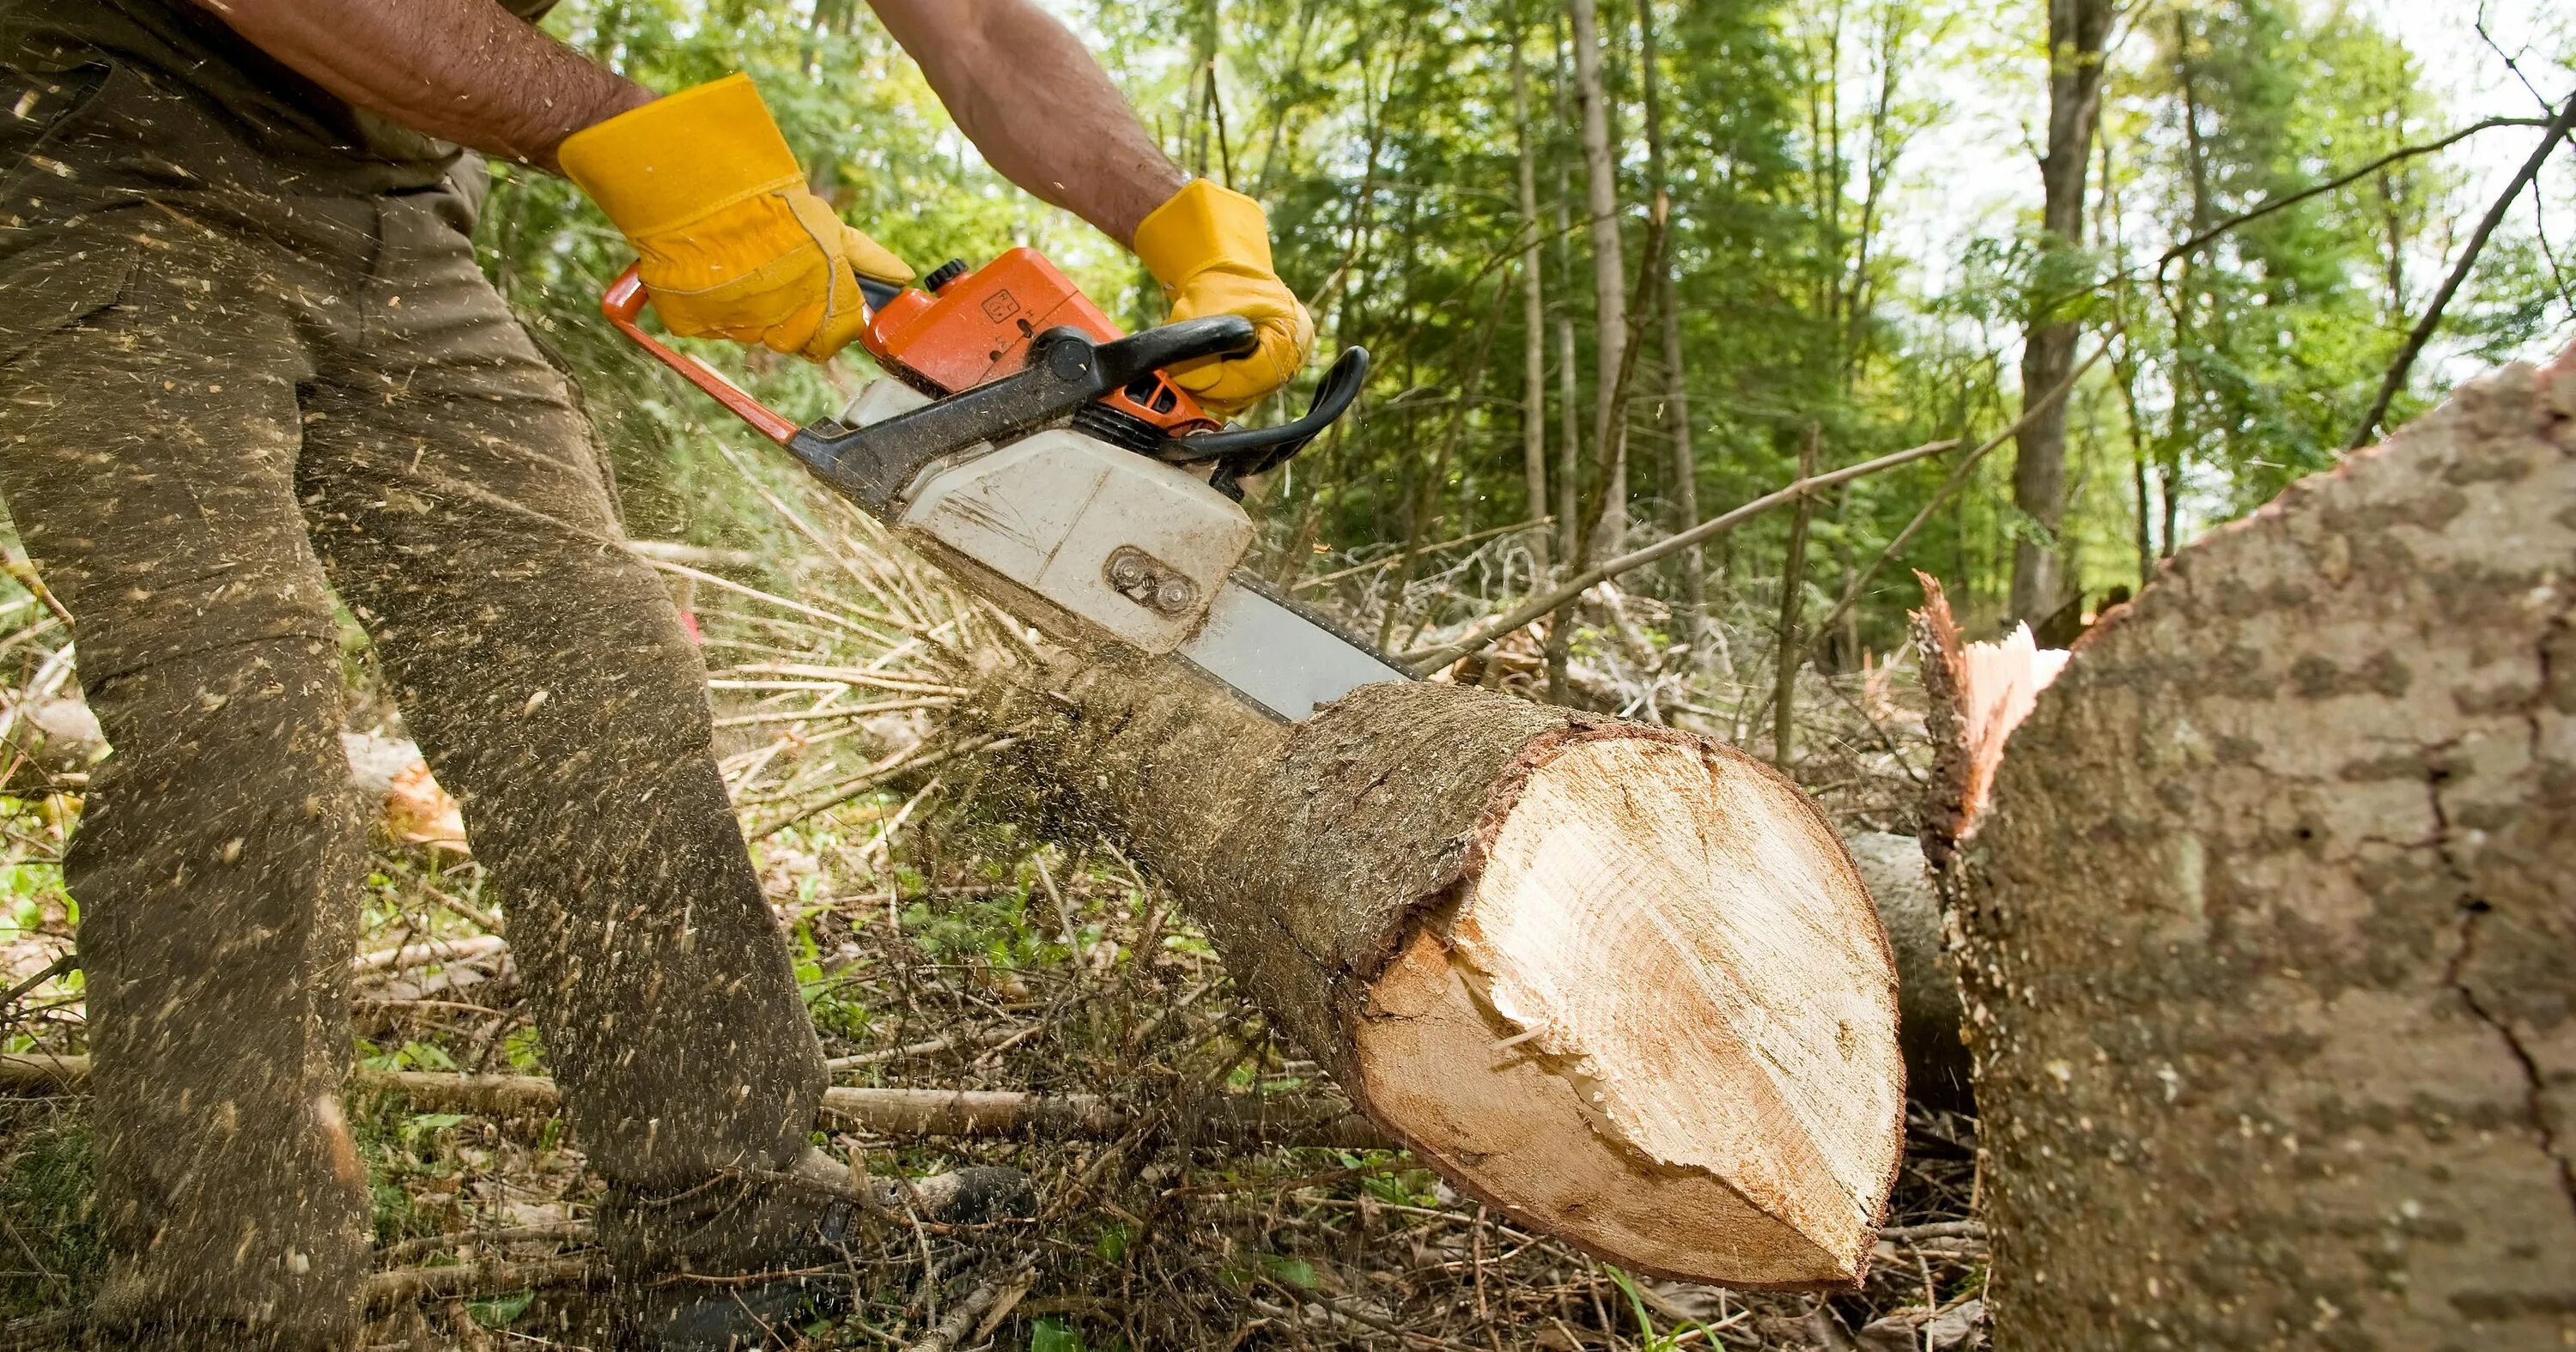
(555, 700)
(223, 829)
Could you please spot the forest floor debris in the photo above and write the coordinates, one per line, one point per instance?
(938, 948)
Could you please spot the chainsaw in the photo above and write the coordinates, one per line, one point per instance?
(1033, 451)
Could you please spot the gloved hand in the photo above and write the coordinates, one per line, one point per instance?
(731, 242)
(1210, 248)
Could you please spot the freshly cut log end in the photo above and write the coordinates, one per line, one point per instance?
(1646, 1021)
(1619, 982)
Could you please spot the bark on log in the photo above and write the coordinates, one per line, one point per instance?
(2269, 938)
(1619, 982)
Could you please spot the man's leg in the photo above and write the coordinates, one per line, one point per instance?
(459, 501)
(148, 455)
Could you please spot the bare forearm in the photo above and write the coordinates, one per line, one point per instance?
(1034, 101)
(464, 70)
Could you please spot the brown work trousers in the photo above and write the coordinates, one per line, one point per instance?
(210, 421)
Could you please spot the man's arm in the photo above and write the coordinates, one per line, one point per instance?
(1034, 101)
(467, 71)
(779, 268)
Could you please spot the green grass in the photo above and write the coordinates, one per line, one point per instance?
(397, 1144)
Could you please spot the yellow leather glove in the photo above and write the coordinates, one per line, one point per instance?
(1210, 248)
(731, 243)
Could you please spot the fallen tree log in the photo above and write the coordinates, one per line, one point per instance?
(1619, 982)
(2268, 938)
(383, 1292)
(980, 1114)
(1937, 1067)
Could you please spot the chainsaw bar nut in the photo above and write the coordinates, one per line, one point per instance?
(1149, 582)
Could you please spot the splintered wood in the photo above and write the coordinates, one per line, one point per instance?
(1977, 694)
(1647, 1024)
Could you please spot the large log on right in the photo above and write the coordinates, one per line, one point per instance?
(2268, 937)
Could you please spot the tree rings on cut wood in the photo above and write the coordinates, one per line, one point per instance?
(1620, 982)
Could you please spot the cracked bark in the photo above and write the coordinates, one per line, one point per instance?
(2268, 940)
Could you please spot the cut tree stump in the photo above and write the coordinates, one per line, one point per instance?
(1619, 982)
(2270, 930)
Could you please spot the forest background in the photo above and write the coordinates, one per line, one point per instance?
(1886, 224)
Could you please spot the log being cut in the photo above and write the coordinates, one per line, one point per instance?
(1619, 982)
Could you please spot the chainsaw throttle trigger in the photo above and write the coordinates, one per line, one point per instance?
(1258, 450)
(1066, 370)
(878, 294)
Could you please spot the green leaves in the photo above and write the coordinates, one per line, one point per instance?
(1053, 1334)
(498, 1311)
(1292, 1272)
(420, 1130)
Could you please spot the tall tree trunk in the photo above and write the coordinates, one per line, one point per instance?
(2182, 430)
(1878, 170)
(1200, 119)
(1533, 314)
(2077, 30)
(1569, 465)
(1677, 418)
(2267, 936)
(1827, 176)
(1609, 277)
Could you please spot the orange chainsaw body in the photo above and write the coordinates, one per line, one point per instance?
(969, 328)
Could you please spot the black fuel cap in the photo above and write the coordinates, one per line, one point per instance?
(944, 274)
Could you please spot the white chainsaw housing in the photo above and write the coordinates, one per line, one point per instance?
(1094, 543)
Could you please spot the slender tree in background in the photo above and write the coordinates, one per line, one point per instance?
(1677, 419)
(1533, 309)
(1609, 277)
(1569, 463)
(2184, 303)
(1569, 379)
(2077, 31)
(1793, 595)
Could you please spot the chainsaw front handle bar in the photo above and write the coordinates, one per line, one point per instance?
(1066, 370)
(1133, 357)
(624, 304)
